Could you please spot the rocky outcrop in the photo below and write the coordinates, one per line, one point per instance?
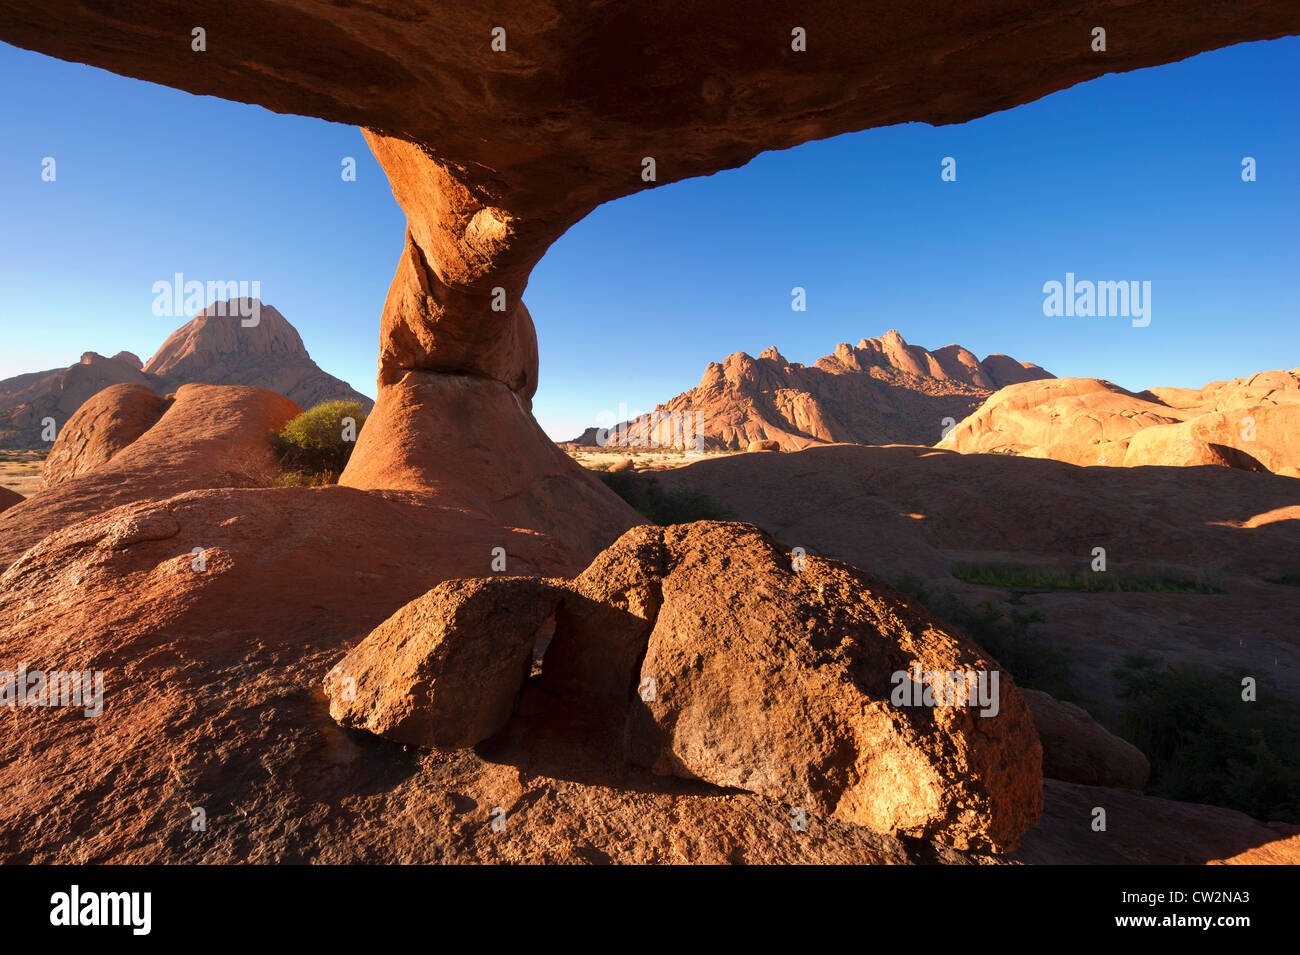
(210, 437)
(491, 155)
(1248, 423)
(215, 348)
(9, 498)
(35, 406)
(101, 427)
(917, 513)
(1078, 749)
(487, 455)
(802, 680)
(445, 670)
(883, 391)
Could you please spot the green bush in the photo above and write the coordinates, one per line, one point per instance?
(1207, 745)
(312, 447)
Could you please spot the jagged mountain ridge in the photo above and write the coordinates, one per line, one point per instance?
(881, 391)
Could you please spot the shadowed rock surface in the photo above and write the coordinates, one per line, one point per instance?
(1078, 749)
(919, 511)
(764, 678)
(214, 677)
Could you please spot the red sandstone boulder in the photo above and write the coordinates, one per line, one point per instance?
(1248, 423)
(445, 669)
(793, 683)
(1078, 749)
(764, 446)
(101, 427)
(210, 437)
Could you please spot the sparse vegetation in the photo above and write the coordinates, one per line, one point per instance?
(1288, 578)
(314, 447)
(1206, 744)
(1022, 576)
(664, 506)
(1005, 636)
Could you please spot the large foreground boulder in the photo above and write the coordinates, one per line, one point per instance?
(737, 664)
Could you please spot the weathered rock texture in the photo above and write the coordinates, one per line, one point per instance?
(492, 156)
(884, 391)
(445, 669)
(27, 401)
(733, 668)
(1249, 423)
(212, 349)
(918, 512)
(101, 427)
(211, 436)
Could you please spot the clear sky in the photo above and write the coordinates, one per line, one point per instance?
(1134, 176)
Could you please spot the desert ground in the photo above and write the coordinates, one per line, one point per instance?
(20, 471)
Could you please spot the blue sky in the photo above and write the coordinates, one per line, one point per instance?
(1133, 176)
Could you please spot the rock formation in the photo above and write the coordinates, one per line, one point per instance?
(210, 436)
(1078, 749)
(214, 348)
(1249, 423)
(884, 391)
(100, 428)
(736, 666)
(919, 512)
(492, 155)
(579, 105)
(36, 405)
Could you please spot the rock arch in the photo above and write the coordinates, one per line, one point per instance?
(493, 154)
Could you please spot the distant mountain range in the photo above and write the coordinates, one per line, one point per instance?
(883, 391)
(212, 349)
